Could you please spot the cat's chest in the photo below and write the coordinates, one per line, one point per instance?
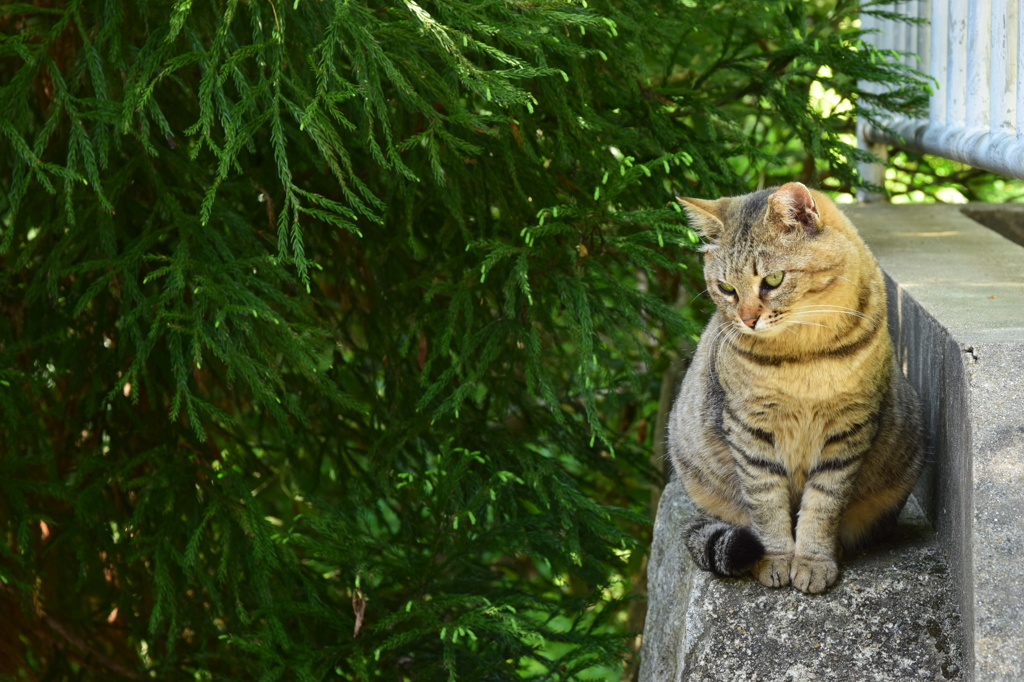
(794, 387)
(799, 404)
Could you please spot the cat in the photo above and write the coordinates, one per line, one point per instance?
(794, 431)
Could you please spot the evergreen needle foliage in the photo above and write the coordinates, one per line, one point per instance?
(331, 331)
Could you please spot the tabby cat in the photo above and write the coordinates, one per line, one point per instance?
(794, 430)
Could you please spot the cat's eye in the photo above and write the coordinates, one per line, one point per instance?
(727, 288)
(775, 279)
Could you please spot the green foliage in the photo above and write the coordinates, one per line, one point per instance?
(922, 178)
(331, 332)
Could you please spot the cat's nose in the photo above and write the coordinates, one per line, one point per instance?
(750, 322)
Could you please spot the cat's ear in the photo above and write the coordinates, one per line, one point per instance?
(706, 216)
(791, 208)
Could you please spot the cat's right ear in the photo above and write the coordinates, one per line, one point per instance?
(705, 216)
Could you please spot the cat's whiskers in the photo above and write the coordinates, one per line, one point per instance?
(731, 332)
(837, 308)
(812, 324)
(858, 286)
(819, 315)
(724, 328)
(826, 305)
(832, 313)
(814, 308)
(696, 297)
(735, 335)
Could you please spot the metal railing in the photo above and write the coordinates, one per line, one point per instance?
(973, 49)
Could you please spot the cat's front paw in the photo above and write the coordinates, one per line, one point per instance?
(813, 575)
(773, 570)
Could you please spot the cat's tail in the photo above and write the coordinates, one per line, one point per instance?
(721, 547)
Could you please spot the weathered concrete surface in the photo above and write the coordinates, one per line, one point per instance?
(1006, 219)
(956, 292)
(997, 391)
(890, 617)
(968, 278)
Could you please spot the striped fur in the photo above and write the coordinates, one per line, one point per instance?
(721, 547)
(793, 420)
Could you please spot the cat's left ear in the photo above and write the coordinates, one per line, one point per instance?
(792, 207)
(706, 216)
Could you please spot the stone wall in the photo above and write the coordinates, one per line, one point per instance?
(956, 313)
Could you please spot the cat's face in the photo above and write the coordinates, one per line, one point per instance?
(768, 265)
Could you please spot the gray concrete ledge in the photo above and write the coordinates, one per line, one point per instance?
(1006, 219)
(891, 617)
(956, 312)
